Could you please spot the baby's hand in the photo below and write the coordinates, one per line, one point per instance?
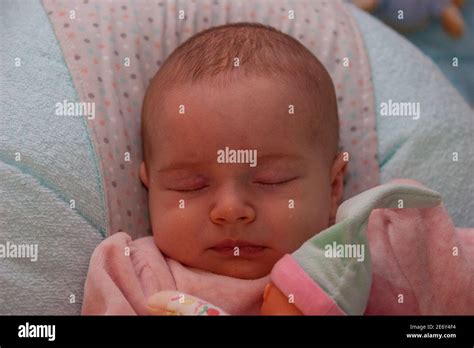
(178, 303)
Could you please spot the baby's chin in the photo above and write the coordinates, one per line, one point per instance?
(241, 271)
(243, 266)
(238, 267)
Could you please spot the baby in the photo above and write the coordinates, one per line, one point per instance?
(240, 140)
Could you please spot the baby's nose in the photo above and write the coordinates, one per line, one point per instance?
(232, 211)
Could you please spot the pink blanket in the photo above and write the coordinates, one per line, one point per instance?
(421, 265)
(419, 254)
(124, 273)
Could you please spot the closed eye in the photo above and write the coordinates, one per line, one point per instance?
(272, 183)
(189, 190)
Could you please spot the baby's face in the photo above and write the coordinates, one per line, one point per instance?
(232, 218)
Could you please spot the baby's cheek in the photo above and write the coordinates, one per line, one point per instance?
(175, 232)
(176, 244)
(317, 215)
(298, 221)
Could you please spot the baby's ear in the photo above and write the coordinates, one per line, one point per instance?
(143, 174)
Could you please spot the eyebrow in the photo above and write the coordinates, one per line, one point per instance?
(279, 156)
(262, 160)
(181, 165)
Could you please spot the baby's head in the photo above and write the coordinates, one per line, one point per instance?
(229, 88)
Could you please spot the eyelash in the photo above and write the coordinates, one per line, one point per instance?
(192, 190)
(276, 183)
(259, 183)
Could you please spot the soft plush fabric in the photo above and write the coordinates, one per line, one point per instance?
(123, 274)
(418, 264)
(415, 13)
(421, 149)
(45, 162)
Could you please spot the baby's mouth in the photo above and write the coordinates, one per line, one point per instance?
(230, 247)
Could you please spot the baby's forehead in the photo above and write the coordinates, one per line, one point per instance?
(251, 104)
(305, 97)
(265, 94)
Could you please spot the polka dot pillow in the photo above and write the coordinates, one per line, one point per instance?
(114, 48)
